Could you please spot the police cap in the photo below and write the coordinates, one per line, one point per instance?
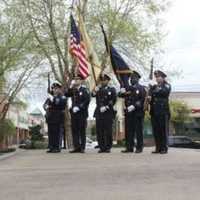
(104, 77)
(56, 85)
(135, 74)
(160, 73)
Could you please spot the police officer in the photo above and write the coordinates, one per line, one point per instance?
(104, 113)
(54, 108)
(160, 112)
(80, 96)
(134, 96)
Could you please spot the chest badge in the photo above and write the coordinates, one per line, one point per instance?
(57, 101)
(137, 91)
(109, 93)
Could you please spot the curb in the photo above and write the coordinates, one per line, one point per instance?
(8, 155)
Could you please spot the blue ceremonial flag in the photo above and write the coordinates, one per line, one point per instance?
(120, 67)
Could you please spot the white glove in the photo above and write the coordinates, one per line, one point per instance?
(122, 90)
(131, 108)
(72, 84)
(97, 88)
(50, 97)
(103, 109)
(46, 107)
(75, 109)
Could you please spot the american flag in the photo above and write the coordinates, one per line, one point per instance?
(77, 49)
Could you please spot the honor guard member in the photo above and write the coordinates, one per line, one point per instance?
(160, 112)
(104, 113)
(54, 108)
(80, 96)
(134, 96)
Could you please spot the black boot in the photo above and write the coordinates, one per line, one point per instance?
(127, 151)
(138, 150)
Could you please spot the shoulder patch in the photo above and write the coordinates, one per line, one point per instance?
(64, 97)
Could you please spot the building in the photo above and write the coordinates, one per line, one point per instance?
(18, 114)
(192, 99)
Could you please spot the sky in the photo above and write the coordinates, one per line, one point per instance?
(182, 44)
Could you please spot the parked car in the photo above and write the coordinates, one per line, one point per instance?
(24, 144)
(183, 142)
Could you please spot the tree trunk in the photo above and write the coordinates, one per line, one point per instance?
(68, 132)
(3, 145)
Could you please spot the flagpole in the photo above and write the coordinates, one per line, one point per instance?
(146, 102)
(72, 5)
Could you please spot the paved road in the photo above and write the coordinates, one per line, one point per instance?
(35, 175)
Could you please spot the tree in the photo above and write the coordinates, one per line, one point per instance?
(133, 26)
(7, 129)
(35, 133)
(37, 139)
(16, 61)
(179, 115)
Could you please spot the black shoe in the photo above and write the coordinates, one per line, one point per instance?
(75, 151)
(156, 151)
(163, 152)
(107, 151)
(101, 151)
(138, 151)
(56, 151)
(82, 151)
(49, 151)
(126, 151)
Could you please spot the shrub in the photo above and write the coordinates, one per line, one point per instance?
(7, 128)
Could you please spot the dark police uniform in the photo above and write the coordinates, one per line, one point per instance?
(55, 120)
(105, 97)
(80, 99)
(160, 114)
(134, 96)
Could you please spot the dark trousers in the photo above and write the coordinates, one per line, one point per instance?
(78, 125)
(62, 132)
(160, 127)
(54, 135)
(104, 133)
(134, 129)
